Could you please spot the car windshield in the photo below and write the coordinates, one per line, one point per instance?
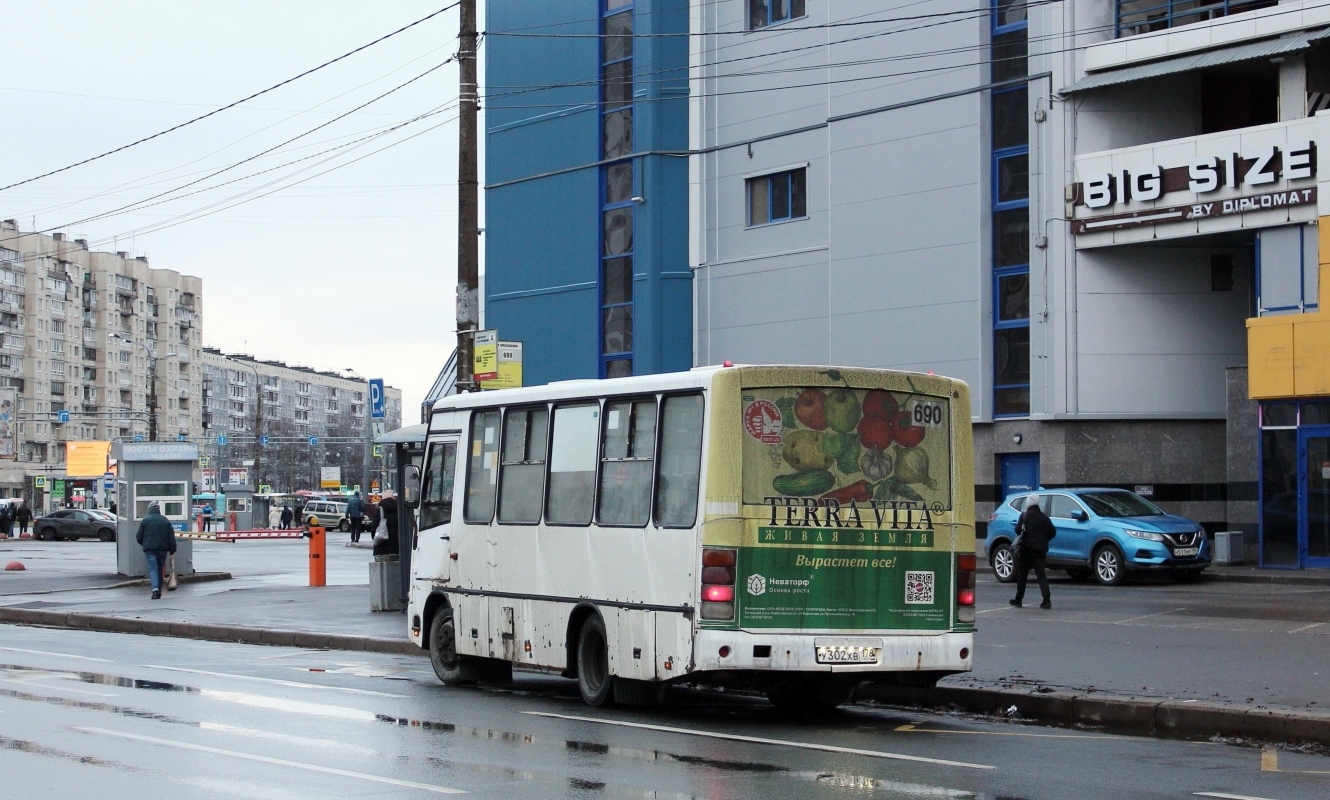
(1119, 504)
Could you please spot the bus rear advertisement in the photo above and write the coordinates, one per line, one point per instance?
(797, 530)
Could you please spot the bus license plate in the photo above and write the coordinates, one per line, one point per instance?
(1186, 552)
(847, 653)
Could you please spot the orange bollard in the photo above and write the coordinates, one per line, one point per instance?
(198, 521)
(232, 518)
(318, 562)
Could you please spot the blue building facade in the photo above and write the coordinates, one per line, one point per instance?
(586, 196)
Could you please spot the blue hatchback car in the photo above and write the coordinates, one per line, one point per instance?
(1104, 533)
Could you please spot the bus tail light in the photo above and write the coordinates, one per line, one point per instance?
(965, 584)
(718, 573)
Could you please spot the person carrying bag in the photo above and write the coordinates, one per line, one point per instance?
(1034, 530)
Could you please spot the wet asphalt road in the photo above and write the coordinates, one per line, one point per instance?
(87, 714)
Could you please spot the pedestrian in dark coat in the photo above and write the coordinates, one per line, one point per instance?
(387, 545)
(1034, 531)
(157, 538)
(287, 516)
(7, 513)
(355, 510)
(24, 517)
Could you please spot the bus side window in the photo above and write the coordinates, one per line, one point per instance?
(436, 502)
(573, 465)
(482, 470)
(680, 461)
(525, 434)
(626, 463)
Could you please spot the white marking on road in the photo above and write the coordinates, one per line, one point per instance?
(276, 681)
(1147, 616)
(61, 655)
(734, 737)
(281, 762)
(990, 610)
(913, 728)
(294, 706)
(1227, 796)
(1307, 627)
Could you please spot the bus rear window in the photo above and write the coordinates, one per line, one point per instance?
(846, 444)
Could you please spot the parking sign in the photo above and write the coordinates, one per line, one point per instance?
(377, 406)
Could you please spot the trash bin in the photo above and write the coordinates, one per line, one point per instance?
(385, 584)
(1229, 548)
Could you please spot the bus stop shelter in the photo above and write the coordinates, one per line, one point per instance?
(409, 447)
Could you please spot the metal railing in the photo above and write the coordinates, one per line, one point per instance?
(1143, 16)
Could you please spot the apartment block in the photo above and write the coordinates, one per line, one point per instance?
(97, 345)
(310, 419)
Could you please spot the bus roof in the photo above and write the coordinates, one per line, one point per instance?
(694, 378)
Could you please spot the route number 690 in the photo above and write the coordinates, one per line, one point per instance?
(927, 414)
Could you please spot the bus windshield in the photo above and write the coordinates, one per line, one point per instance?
(846, 444)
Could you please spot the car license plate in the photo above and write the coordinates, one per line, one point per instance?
(1186, 552)
(847, 651)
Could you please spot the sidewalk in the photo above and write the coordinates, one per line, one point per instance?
(1244, 654)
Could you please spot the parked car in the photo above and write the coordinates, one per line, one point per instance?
(325, 511)
(73, 523)
(1104, 533)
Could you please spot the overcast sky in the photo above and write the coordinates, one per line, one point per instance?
(352, 268)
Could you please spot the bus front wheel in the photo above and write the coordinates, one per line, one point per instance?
(593, 663)
(443, 648)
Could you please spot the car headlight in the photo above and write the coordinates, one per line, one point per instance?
(1153, 537)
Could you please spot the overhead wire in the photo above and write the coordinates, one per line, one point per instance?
(217, 111)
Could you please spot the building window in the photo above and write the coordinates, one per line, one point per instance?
(1143, 16)
(1011, 212)
(762, 13)
(778, 197)
(616, 190)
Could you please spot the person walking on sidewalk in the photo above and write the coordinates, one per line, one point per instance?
(286, 518)
(1034, 530)
(7, 514)
(355, 510)
(24, 517)
(207, 516)
(157, 538)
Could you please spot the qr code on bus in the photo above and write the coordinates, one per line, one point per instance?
(918, 588)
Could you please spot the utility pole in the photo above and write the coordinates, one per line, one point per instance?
(468, 200)
(152, 397)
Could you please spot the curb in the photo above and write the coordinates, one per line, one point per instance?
(1212, 575)
(1141, 716)
(207, 632)
(196, 577)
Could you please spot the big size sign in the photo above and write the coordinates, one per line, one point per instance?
(1258, 167)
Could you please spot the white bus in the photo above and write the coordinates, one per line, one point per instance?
(794, 529)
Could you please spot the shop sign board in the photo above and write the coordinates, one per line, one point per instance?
(1210, 177)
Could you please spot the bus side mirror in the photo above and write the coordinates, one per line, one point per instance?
(411, 490)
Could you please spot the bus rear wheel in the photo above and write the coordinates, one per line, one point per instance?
(443, 649)
(593, 663)
(809, 696)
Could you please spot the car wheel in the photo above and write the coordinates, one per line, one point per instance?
(1108, 567)
(1003, 560)
(106, 535)
(343, 526)
(593, 663)
(47, 535)
(443, 648)
(1080, 573)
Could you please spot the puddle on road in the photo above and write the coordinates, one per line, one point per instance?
(33, 748)
(99, 678)
(90, 705)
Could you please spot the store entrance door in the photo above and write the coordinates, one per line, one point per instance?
(1314, 497)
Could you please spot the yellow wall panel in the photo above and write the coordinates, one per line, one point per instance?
(1270, 359)
(1311, 356)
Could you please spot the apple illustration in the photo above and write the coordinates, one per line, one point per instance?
(810, 409)
(907, 434)
(878, 403)
(842, 409)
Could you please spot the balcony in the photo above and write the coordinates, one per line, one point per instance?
(124, 305)
(1135, 17)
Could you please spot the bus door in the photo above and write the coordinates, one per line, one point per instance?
(433, 540)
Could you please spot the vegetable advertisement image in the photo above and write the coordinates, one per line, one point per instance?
(846, 445)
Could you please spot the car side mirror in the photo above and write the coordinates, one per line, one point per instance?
(411, 490)
(1079, 516)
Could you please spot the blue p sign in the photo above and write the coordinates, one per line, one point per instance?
(263, 441)
(376, 404)
(62, 416)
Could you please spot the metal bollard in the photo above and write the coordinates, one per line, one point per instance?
(318, 562)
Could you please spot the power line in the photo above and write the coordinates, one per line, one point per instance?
(230, 105)
(783, 28)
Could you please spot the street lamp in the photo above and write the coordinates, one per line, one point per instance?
(152, 382)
